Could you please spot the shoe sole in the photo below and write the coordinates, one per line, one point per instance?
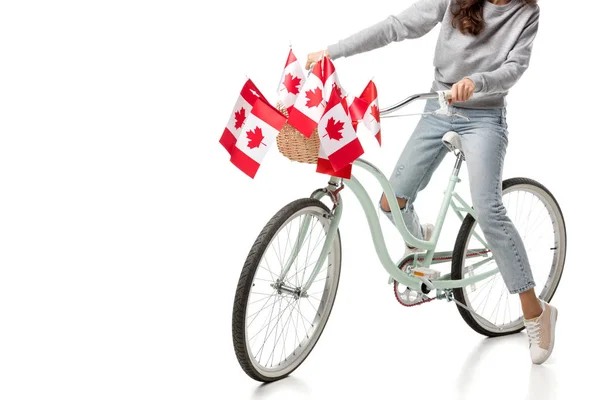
(553, 318)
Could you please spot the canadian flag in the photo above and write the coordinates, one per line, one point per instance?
(371, 117)
(258, 133)
(246, 100)
(292, 81)
(309, 105)
(311, 102)
(330, 79)
(324, 166)
(357, 108)
(338, 137)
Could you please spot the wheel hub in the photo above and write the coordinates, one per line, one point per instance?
(281, 288)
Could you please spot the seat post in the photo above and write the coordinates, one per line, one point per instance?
(458, 163)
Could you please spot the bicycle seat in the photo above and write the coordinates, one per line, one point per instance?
(452, 141)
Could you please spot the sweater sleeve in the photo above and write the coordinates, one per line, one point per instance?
(517, 61)
(413, 22)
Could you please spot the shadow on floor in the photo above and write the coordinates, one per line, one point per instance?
(542, 380)
(275, 390)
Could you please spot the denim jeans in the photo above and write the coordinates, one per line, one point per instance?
(484, 140)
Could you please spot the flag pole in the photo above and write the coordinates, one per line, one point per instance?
(282, 74)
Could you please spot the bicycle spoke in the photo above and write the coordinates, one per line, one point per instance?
(308, 265)
(497, 307)
(277, 254)
(528, 218)
(480, 290)
(540, 214)
(540, 224)
(530, 210)
(283, 352)
(301, 246)
(264, 280)
(297, 273)
(268, 269)
(281, 316)
(265, 294)
(320, 291)
(256, 313)
(272, 355)
(489, 291)
(298, 244)
(298, 325)
(281, 327)
(312, 252)
(303, 270)
(297, 306)
(268, 334)
(306, 258)
(315, 308)
(270, 318)
(256, 301)
(518, 193)
(316, 298)
(317, 280)
(287, 243)
(297, 341)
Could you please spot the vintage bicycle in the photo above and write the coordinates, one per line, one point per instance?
(289, 281)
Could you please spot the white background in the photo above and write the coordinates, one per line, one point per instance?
(123, 226)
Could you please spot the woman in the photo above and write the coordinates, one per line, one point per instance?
(484, 46)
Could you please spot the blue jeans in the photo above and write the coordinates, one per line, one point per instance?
(484, 140)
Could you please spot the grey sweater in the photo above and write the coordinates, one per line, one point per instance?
(494, 60)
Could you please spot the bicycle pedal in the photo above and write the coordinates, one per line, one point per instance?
(427, 273)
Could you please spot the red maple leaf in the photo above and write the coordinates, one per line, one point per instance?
(375, 112)
(315, 97)
(334, 129)
(255, 138)
(291, 83)
(337, 89)
(240, 117)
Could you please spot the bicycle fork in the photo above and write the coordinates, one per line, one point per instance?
(332, 191)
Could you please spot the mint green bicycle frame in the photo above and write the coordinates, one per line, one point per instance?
(450, 200)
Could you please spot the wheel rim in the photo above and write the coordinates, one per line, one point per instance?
(539, 222)
(282, 328)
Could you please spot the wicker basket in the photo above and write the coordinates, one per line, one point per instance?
(294, 145)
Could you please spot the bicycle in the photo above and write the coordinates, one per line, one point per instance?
(298, 296)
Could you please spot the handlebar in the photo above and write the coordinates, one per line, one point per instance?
(414, 97)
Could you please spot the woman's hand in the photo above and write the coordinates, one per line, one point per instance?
(314, 57)
(462, 90)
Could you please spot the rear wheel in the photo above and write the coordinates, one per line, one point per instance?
(540, 223)
(275, 323)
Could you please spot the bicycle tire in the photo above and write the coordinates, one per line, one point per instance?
(462, 241)
(244, 286)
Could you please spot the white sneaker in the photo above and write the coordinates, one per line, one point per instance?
(427, 231)
(541, 333)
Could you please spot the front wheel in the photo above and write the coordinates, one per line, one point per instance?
(540, 223)
(276, 323)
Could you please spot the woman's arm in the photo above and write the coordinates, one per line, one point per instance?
(515, 65)
(412, 23)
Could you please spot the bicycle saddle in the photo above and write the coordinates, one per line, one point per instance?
(452, 141)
